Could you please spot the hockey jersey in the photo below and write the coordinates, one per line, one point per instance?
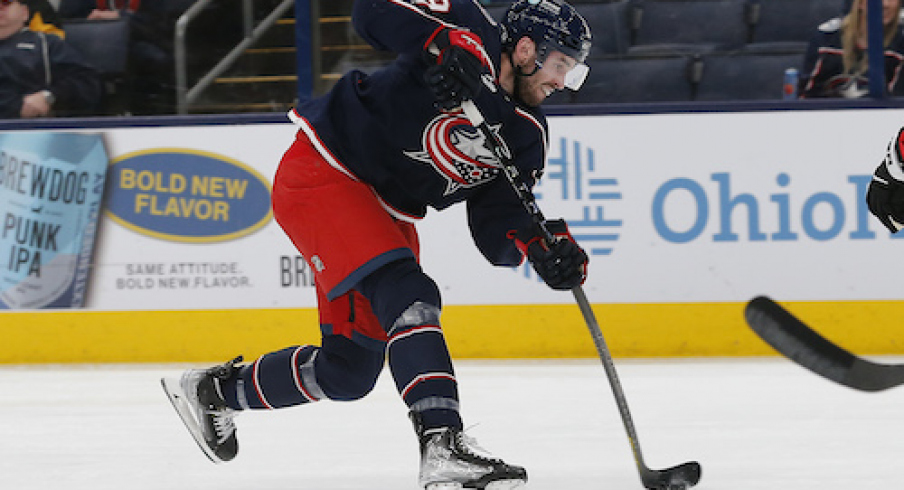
(384, 129)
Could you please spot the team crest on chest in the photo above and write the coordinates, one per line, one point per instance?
(456, 150)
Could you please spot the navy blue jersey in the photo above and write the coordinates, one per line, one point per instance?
(384, 129)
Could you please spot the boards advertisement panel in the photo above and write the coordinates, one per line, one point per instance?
(674, 209)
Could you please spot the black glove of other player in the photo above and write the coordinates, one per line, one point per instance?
(461, 61)
(885, 196)
(562, 264)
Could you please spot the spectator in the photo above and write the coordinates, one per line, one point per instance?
(40, 75)
(836, 63)
(151, 58)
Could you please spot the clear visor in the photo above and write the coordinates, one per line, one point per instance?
(563, 67)
(576, 76)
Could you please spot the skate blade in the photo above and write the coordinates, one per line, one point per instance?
(177, 397)
(495, 485)
(504, 485)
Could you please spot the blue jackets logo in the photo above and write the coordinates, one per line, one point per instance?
(187, 195)
(457, 152)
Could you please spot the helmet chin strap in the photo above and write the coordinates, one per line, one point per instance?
(519, 74)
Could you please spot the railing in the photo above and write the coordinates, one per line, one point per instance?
(186, 96)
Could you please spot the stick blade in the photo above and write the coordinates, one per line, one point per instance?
(795, 340)
(679, 477)
(798, 342)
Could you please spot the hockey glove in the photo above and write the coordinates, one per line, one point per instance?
(562, 264)
(459, 65)
(885, 196)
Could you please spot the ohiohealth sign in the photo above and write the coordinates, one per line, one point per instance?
(720, 207)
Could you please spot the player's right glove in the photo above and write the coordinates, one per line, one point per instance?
(885, 196)
(561, 264)
(460, 63)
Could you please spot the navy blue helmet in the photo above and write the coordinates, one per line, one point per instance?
(552, 25)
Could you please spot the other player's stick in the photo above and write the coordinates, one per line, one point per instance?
(800, 343)
(676, 478)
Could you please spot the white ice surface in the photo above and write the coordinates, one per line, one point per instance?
(752, 424)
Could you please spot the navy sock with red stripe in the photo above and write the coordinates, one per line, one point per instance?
(407, 303)
(423, 373)
(339, 370)
(275, 380)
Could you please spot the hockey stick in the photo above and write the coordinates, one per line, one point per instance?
(798, 342)
(676, 478)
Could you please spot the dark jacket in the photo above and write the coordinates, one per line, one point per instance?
(34, 61)
(823, 71)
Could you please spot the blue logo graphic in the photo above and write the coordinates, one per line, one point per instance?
(187, 195)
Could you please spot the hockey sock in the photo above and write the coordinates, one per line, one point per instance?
(422, 368)
(275, 380)
(407, 304)
(339, 370)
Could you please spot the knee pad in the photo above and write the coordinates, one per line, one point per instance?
(393, 288)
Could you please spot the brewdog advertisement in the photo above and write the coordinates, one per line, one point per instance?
(51, 192)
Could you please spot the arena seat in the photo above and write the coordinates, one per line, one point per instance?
(745, 75)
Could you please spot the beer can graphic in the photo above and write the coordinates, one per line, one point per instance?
(51, 193)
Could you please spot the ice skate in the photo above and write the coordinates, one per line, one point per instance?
(201, 407)
(450, 460)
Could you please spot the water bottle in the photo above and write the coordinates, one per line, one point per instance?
(789, 91)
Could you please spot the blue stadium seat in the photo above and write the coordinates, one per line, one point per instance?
(105, 46)
(778, 21)
(103, 43)
(609, 26)
(688, 26)
(638, 79)
(745, 75)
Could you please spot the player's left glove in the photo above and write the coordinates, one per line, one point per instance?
(885, 196)
(461, 62)
(561, 264)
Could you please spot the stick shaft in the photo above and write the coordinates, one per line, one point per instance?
(609, 366)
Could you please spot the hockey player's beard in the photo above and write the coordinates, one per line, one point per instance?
(526, 87)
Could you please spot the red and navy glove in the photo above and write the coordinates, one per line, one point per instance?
(885, 196)
(561, 264)
(461, 62)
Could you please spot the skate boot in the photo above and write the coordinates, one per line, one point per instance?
(201, 407)
(450, 460)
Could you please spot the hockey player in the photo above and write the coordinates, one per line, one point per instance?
(885, 195)
(369, 159)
